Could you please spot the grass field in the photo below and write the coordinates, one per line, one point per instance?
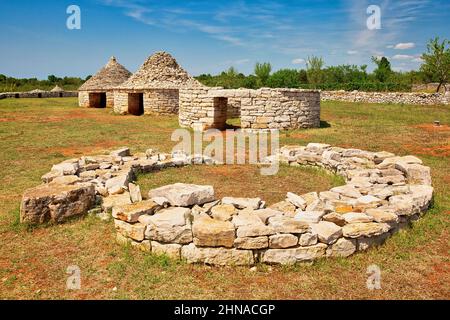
(34, 134)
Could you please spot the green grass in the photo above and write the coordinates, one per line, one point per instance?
(36, 133)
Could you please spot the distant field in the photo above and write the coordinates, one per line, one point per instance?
(36, 133)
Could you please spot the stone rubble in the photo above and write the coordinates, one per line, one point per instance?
(383, 194)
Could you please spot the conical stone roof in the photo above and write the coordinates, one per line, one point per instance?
(160, 71)
(109, 77)
(57, 89)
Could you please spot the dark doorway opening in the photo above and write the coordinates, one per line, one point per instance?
(136, 104)
(17, 96)
(39, 95)
(60, 94)
(97, 100)
(220, 113)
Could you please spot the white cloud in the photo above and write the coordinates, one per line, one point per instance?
(352, 52)
(402, 57)
(237, 62)
(298, 61)
(404, 46)
(418, 59)
(390, 46)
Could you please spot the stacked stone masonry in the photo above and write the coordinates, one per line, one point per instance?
(412, 98)
(382, 194)
(155, 101)
(88, 99)
(203, 108)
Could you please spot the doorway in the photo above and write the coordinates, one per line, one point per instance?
(97, 99)
(220, 113)
(136, 104)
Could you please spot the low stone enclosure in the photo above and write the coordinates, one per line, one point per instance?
(412, 98)
(382, 194)
(39, 94)
(266, 108)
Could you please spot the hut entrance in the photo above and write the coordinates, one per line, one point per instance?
(136, 104)
(220, 113)
(97, 100)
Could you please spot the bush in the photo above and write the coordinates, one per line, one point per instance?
(361, 86)
(284, 78)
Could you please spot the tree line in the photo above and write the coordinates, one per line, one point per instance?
(435, 68)
(10, 84)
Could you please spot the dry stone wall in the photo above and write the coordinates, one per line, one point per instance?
(156, 101)
(43, 94)
(382, 194)
(161, 101)
(265, 108)
(84, 100)
(414, 98)
(233, 108)
(120, 102)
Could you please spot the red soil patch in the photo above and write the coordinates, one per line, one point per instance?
(76, 151)
(74, 115)
(435, 151)
(432, 128)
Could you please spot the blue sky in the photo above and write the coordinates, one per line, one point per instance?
(210, 36)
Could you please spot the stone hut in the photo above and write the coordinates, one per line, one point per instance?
(154, 88)
(58, 91)
(98, 92)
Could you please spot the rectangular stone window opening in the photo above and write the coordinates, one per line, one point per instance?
(220, 113)
(136, 104)
(97, 100)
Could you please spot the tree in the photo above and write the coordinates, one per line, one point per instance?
(314, 70)
(52, 78)
(302, 76)
(262, 72)
(383, 70)
(436, 65)
(284, 78)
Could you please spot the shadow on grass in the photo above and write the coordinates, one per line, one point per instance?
(324, 124)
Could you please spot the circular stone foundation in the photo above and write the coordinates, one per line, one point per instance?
(262, 109)
(382, 194)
